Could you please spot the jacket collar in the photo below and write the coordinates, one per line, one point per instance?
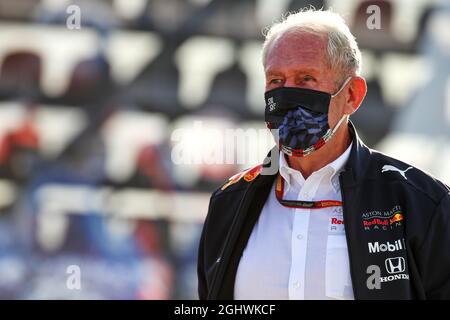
(356, 166)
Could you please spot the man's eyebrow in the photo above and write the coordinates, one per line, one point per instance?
(308, 70)
(272, 72)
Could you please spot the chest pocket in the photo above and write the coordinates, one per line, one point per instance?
(338, 281)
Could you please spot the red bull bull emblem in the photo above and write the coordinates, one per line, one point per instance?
(248, 175)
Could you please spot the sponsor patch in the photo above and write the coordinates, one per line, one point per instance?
(336, 225)
(387, 246)
(396, 270)
(248, 176)
(383, 220)
(395, 265)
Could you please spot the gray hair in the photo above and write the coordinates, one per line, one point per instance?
(342, 50)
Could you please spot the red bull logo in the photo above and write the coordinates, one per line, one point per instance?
(252, 173)
(383, 220)
(397, 217)
(249, 175)
(337, 221)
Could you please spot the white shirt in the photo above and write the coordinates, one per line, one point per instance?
(296, 253)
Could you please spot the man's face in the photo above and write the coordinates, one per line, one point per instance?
(299, 60)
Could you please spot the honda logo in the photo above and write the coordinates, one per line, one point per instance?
(395, 265)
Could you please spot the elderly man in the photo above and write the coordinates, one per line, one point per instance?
(337, 220)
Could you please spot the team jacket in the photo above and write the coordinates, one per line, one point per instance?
(397, 223)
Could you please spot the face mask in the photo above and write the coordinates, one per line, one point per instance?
(301, 117)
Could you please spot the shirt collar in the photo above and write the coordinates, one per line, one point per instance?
(290, 175)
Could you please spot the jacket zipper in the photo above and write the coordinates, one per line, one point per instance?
(345, 213)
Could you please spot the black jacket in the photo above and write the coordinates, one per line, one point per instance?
(397, 227)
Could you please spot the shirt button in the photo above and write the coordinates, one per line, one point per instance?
(299, 237)
(296, 284)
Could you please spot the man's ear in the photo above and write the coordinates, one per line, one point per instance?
(356, 92)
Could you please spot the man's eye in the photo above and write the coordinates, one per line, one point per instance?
(275, 81)
(307, 78)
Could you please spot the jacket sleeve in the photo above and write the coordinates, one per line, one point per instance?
(435, 253)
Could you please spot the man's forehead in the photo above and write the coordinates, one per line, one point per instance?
(298, 38)
(291, 48)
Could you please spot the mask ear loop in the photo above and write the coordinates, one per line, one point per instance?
(342, 87)
(336, 127)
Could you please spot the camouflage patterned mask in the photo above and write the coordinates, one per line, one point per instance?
(301, 115)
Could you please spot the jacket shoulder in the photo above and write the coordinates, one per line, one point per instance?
(239, 181)
(392, 169)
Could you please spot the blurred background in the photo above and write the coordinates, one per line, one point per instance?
(87, 116)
